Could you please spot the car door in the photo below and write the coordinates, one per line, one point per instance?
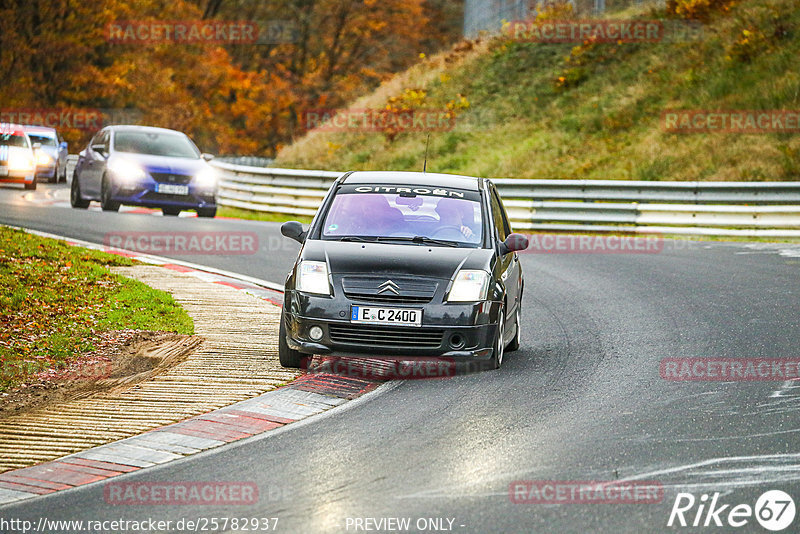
(95, 165)
(510, 268)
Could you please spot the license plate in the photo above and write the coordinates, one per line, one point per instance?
(172, 189)
(3, 171)
(396, 316)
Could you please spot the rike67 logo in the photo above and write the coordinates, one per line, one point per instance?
(774, 510)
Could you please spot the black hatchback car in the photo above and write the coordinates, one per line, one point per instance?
(404, 265)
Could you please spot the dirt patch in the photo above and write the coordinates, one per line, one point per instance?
(123, 358)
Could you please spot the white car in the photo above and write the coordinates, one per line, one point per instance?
(17, 159)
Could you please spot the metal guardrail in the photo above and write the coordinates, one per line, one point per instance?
(769, 209)
(766, 209)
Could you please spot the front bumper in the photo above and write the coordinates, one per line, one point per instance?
(46, 171)
(14, 176)
(461, 331)
(144, 193)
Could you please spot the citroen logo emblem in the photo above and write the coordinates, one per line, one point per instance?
(388, 286)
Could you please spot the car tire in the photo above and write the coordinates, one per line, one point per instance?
(171, 212)
(286, 355)
(31, 186)
(207, 212)
(106, 203)
(499, 346)
(75, 199)
(514, 344)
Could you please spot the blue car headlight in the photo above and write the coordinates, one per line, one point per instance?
(206, 179)
(127, 172)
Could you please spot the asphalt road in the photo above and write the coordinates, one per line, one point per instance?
(583, 399)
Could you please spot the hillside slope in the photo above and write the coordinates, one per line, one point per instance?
(592, 110)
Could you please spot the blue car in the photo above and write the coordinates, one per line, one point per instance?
(51, 156)
(144, 166)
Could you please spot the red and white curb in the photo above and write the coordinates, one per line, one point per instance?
(307, 395)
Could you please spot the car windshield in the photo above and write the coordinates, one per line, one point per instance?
(405, 218)
(12, 139)
(156, 144)
(43, 139)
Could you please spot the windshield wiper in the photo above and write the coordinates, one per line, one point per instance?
(359, 238)
(423, 240)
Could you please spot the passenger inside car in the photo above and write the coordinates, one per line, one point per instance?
(457, 214)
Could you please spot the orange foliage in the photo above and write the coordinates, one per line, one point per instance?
(236, 98)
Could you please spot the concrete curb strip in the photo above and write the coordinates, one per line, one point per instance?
(240, 361)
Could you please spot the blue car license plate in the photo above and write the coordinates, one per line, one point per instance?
(172, 189)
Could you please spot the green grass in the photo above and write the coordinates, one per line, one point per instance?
(603, 120)
(236, 213)
(54, 298)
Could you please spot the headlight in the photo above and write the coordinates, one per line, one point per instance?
(469, 286)
(20, 161)
(126, 171)
(312, 277)
(207, 179)
(43, 158)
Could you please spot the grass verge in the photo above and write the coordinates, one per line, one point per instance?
(238, 213)
(56, 298)
(591, 110)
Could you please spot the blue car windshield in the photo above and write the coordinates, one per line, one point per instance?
(12, 139)
(382, 215)
(42, 139)
(156, 144)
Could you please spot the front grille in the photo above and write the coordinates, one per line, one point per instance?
(387, 337)
(390, 290)
(155, 197)
(169, 178)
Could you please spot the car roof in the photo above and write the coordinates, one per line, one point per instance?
(38, 129)
(137, 128)
(14, 128)
(422, 179)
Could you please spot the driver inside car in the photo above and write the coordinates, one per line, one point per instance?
(367, 215)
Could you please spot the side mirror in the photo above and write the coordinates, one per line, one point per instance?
(513, 243)
(207, 157)
(37, 146)
(82, 153)
(294, 230)
(100, 149)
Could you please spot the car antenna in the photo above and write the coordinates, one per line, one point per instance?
(425, 164)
